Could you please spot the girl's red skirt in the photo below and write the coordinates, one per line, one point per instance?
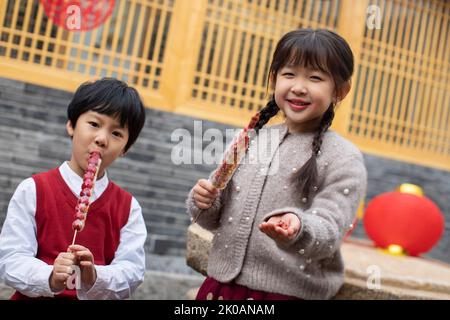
(212, 289)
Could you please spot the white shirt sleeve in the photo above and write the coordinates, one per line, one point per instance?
(126, 272)
(19, 267)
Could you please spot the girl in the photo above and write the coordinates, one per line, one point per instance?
(277, 236)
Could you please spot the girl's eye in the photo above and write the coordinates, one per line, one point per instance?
(287, 74)
(316, 78)
(93, 124)
(117, 134)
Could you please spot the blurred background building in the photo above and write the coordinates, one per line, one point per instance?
(208, 60)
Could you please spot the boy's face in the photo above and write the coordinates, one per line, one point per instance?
(96, 132)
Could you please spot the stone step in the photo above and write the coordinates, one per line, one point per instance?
(401, 277)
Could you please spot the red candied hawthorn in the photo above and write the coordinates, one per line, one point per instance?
(84, 200)
(95, 156)
(80, 216)
(86, 192)
(78, 225)
(87, 184)
(88, 175)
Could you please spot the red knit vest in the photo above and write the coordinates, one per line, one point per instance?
(55, 208)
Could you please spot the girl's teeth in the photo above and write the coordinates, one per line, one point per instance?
(301, 103)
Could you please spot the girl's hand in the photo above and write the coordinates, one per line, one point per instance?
(281, 228)
(204, 194)
(62, 270)
(85, 260)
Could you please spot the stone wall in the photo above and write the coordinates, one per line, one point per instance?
(33, 139)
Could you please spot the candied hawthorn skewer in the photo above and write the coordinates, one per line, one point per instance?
(87, 190)
(232, 157)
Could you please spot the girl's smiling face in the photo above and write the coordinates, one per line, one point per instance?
(303, 94)
(96, 132)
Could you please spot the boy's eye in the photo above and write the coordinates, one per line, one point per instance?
(287, 74)
(117, 134)
(316, 78)
(94, 124)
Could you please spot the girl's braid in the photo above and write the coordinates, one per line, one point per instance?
(307, 176)
(270, 110)
(325, 123)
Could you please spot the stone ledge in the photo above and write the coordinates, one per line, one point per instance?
(402, 277)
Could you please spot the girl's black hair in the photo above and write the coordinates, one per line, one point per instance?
(111, 97)
(319, 49)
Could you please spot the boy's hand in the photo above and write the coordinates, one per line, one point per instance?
(204, 194)
(62, 270)
(85, 260)
(281, 228)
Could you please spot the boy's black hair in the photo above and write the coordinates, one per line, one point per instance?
(111, 97)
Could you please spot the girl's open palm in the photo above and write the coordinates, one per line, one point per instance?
(281, 228)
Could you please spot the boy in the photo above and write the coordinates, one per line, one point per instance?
(108, 258)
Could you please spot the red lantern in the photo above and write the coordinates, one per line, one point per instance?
(411, 221)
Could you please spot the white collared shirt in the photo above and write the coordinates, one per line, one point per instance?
(20, 268)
